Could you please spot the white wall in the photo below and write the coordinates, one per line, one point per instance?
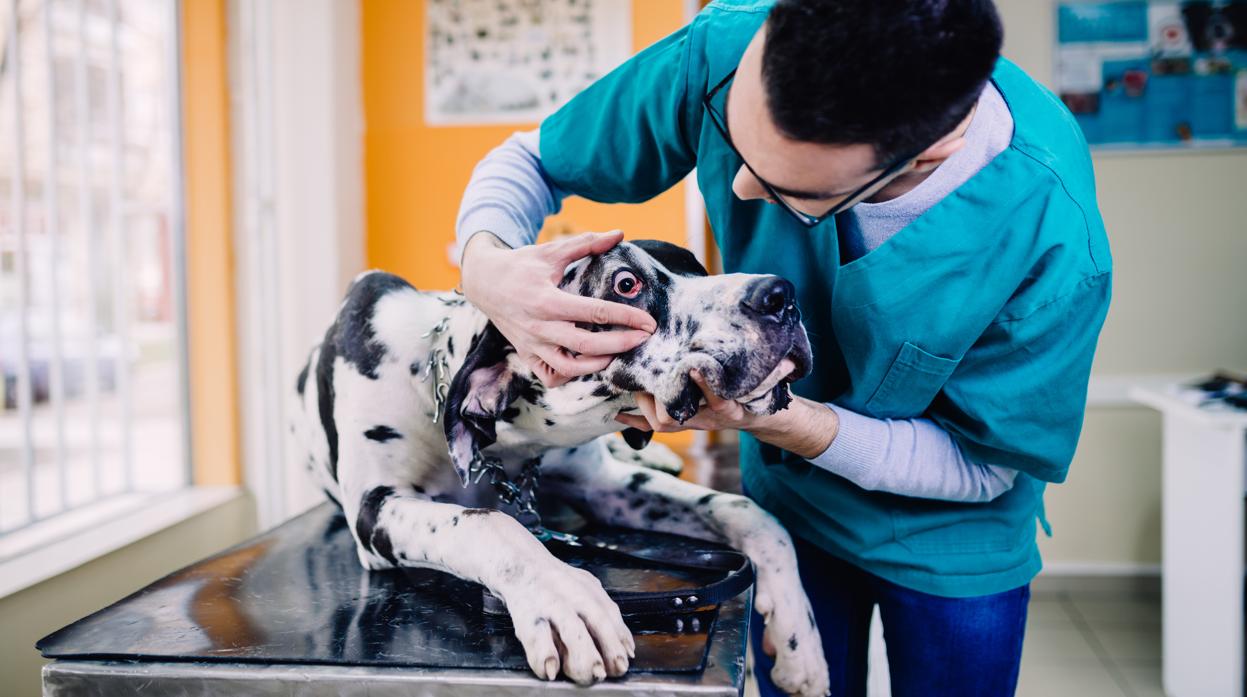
(298, 165)
(1177, 223)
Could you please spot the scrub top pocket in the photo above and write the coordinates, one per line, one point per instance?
(910, 385)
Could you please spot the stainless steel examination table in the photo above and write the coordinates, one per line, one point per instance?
(292, 613)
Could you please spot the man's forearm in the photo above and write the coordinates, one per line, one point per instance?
(911, 457)
(805, 428)
(509, 194)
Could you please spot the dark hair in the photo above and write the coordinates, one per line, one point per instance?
(895, 74)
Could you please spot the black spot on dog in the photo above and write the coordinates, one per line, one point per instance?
(809, 615)
(602, 390)
(509, 414)
(706, 499)
(352, 333)
(381, 434)
(450, 346)
(300, 385)
(636, 503)
(467, 512)
(654, 515)
(454, 522)
(637, 481)
(549, 422)
(418, 489)
(325, 397)
(369, 511)
(740, 503)
(382, 545)
(792, 643)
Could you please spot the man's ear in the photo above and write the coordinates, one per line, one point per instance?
(938, 153)
(636, 438)
(479, 395)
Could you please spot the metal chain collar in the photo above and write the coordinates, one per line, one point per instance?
(520, 492)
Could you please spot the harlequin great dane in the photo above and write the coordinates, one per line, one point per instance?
(409, 390)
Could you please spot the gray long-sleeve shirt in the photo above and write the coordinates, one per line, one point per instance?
(510, 195)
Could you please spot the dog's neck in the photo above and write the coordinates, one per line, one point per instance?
(539, 417)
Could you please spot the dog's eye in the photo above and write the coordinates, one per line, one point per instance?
(627, 285)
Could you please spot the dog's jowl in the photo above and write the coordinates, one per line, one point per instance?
(410, 391)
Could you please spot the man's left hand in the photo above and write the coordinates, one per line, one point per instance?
(718, 413)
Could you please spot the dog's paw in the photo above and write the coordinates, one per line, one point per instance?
(800, 667)
(567, 623)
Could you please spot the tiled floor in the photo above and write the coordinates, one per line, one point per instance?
(1087, 642)
(1092, 642)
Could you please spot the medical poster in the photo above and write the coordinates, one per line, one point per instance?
(1158, 73)
(516, 61)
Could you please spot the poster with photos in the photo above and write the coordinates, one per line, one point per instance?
(1155, 73)
(517, 61)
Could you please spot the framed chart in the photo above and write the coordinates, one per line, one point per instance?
(516, 61)
(1155, 73)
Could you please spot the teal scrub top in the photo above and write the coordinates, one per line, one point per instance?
(981, 315)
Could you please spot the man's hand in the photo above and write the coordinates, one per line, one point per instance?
(806, 428)
(518, 290)
(717, 414)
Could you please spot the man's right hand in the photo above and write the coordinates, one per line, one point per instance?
(518, 290)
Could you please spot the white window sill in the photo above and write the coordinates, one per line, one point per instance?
(54, 546)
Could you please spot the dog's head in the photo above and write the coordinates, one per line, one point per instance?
(742, 332)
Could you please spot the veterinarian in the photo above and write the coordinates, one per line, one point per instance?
(936, 209)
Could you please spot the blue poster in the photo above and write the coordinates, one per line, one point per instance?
(1159, 73)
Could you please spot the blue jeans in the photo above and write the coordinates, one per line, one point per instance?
(936, 646)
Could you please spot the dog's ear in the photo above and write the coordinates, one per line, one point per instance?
(636, 438)
(676, 258)
(686, 403)
(479, 396)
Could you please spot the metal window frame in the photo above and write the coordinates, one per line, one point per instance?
(116, 246)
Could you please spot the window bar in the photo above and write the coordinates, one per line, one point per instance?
(86, 205)
(52, 222)
(121, 306)
(18, 193)
(177, 227)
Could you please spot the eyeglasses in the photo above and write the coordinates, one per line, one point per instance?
(850, 200)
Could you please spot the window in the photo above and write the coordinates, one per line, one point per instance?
(93, 399)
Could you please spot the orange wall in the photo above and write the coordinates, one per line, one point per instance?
(212, 362)
(414, 174)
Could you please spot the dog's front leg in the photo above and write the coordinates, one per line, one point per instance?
(561, 614)
(626, 495)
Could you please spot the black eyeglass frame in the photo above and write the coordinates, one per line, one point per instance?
(809, 221)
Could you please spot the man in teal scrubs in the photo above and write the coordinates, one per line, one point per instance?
(935, 208)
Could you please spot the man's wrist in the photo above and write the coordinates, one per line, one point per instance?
(478, 242)
(805, 428)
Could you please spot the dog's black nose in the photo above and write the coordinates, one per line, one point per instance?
(768, 297)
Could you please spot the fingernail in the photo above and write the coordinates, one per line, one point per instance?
(552, 668)
(621, 665)
(599, 672)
